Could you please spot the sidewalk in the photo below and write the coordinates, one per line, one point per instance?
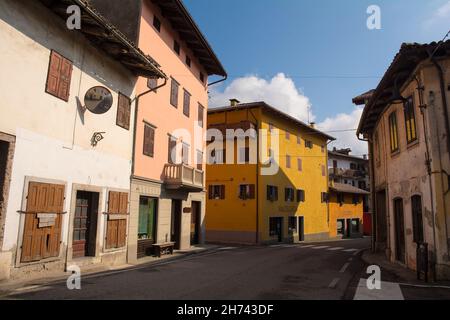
(18, 285)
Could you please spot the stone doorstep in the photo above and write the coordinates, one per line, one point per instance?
(7, 287)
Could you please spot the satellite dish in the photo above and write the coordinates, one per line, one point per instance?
(98, 100)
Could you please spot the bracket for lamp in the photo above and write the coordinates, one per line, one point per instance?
(96, 138)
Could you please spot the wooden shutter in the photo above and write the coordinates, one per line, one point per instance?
(41, 243)
(222, 192)
(59, 76)
(186, 103)
(174, 93)
(116, 229)
(252, 191)
(149, 140)
(123, 112)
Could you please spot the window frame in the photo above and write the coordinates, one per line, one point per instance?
(410, 120)
(393, 132)
(149, 153)
(186, 103)
(174, 95)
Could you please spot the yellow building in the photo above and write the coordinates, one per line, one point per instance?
(250, 202)
(346, 210)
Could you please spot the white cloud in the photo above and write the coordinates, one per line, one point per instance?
(280, 92)
(341, 127)
(440, 16)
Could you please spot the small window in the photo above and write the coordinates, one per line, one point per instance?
(172, 150)
(174, 93)
(341, 199)
(308, 144)
(185, 153)
(201, 110)
(272, 193)
(410, 120)
(176, 47)
(340, 227)
(289, 195)
(288, 161)
(188, 61)
(186, 103)
(152, 83)
(123, 112)
(300, 195)
(246, 191)
(393, 132)
(202, 77)
(199, 160)
(149, 140)
(157, 23)
(59, 76)
(299, 164)
(355, 226)
(216, 192)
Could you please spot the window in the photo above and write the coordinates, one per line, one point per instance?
(149, 140)
(416, 204)
(201, 110)
(123, 112)
(247, 191)
(353, 166)
(292, 225)
(174, 93)
(59, 76)
(199, 160)
(176, 47)
(152, 83)
(289, 194)
(308, 144)
(362, 185)
(185, 153)
(299, 140)
(299, 164)
(275, 227)
(272, 193)
(341, 199)
(355, 199)
(157, 23)
(188, 61)
(186, 103)
(340, 227)
(355, 226)
(288, 161)
(216, 192)
(244, 155)
(324, 172)
(300, 195)
(147, 218)
(393, 132)
(288, 135)
(172, 153)
(325, 197)
(410, 120)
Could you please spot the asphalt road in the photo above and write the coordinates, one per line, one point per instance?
(307, 271)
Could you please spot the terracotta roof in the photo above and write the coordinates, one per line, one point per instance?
(184, 24)
(108, 38)
(347, 188)
(274, 110)
(337, 154)
(404, 63)
(362, 98)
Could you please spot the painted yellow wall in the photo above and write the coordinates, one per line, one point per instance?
(348, 210)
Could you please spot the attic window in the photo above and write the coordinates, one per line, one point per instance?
(157, 23)
(176, 47)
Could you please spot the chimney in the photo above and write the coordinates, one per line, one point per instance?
(234, 102)
(312, 124)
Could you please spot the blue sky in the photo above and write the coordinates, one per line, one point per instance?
(324, 46)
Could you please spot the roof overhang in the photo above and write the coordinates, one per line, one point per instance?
(183, 23)
(397, 75)
(108, 38)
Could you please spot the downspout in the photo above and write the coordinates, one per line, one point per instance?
(372, 191)
(257, 178)
(136, 99)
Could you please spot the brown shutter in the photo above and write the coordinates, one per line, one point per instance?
(116, 230)
(59, 76)
(252, 191)
(64, 81)
(149, 140)
(123, 112)
(222, 192)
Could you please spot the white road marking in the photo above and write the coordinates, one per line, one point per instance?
(321, 247)
(350, 250)
(276, 246)
(336, 248)
(333, 283)
(308, 246)
(388, 291)
(344, 267)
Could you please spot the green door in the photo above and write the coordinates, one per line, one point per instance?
(147, 219)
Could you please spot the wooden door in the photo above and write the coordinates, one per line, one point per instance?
(399, 230)
(85, 224)
(195, 222)
(42, 241)
(176, 223)
(116, 229)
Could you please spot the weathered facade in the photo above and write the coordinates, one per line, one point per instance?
(64, 170)
(406, 122)
(247, 201)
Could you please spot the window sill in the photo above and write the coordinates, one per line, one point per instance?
(412, 144)
(395, 153)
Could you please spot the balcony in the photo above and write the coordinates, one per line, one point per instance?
(182, 176)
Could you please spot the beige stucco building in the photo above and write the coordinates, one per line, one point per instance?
(406, 122)
(64, 169)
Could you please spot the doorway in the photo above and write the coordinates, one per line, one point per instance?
(301, 229)
(340, 227)
(399, 230)
(147, 226)
(85, 224)
(276, 228)
(195, 222)
(175, 230)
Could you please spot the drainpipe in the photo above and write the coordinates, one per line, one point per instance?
(372, 190)
(135, 121)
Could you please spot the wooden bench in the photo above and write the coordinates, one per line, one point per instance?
(163, 248)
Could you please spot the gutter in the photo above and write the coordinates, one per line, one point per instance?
(218, 81)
